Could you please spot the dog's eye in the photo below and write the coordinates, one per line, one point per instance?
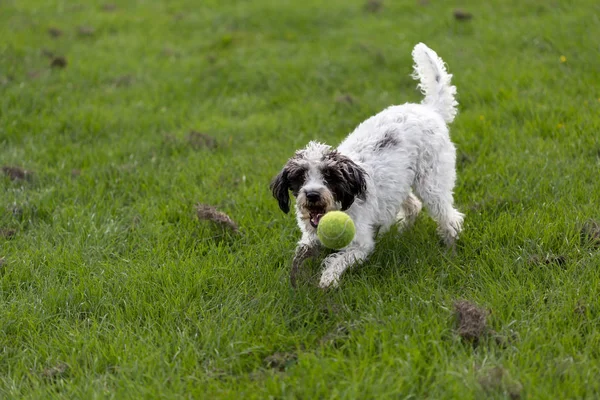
(328, 175)
(296, 180)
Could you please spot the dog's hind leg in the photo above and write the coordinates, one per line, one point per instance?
(410, 209)
(435, 187)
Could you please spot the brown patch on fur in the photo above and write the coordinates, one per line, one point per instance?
(86, 31)
(17, 173)
(472, 321)
(199, 140)
(344, 177)
(55, 32)
(590, 233)
(280, 361)
(210, 213)
(6, 233)
(389, 140)
(58, 371)
(462, 15)
(373, 6)
(498, 379)
(58, 62)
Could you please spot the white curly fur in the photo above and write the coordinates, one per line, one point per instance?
(418, 163)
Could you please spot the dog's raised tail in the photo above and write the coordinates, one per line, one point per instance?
(435, 84)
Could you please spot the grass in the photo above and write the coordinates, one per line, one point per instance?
(111, 288)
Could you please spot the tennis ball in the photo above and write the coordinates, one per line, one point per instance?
(336, 230)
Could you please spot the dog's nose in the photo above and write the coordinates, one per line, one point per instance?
(313, 196)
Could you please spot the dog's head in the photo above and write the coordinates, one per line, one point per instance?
(321, 179)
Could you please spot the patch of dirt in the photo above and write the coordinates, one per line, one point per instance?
(123, 81)
(169, 52)
(462, 15)
(345, 99)
(472, 321)
(47, 53)
(109, 7)
(6, 233)
(199, 140)
(210, 213)
(75, 173)
(590, 233)
(498, 379)
(86, 31)
(373, 6)
(33, 74)
(280, 361)
(581, 308)
(211, 58)
(463, 159)
(17, 173)
(56, 372)
(58, 62)
(55, 32)
(5, 80)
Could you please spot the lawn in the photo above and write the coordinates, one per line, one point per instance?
(123, 117)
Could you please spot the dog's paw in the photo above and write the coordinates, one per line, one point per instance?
(329, 279)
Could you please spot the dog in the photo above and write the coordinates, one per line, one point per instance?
(380, 175)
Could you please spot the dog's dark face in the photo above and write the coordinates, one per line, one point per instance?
(321, 180)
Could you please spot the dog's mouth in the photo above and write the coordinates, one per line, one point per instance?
(315, 217)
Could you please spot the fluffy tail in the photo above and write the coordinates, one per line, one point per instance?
(430, 70)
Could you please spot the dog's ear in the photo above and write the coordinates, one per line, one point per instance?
(280, 187)
(353, 184)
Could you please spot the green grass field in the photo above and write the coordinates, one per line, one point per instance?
(110, 287)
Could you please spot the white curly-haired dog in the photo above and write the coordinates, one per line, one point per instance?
(374, 171)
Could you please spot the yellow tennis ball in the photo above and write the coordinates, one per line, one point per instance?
(336, 230)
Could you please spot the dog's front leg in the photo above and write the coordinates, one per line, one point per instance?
(307, 248)
(335, 264)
